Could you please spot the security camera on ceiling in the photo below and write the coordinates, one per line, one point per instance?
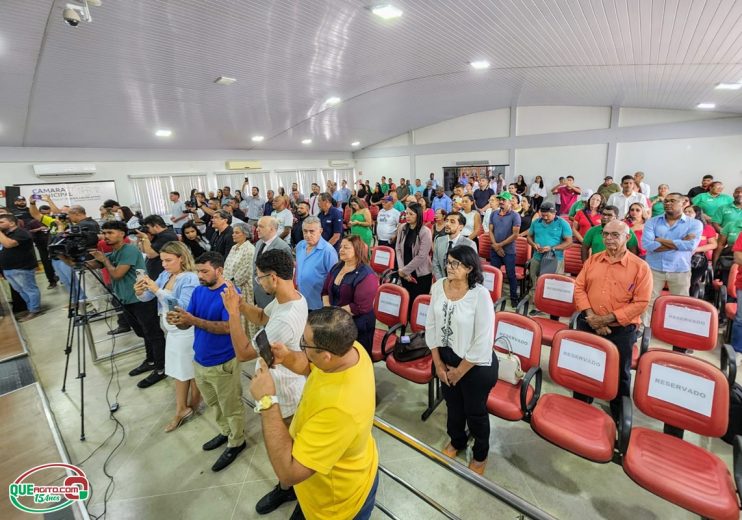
(73, 14)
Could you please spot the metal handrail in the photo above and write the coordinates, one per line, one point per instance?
(419, 494)
(502, 494)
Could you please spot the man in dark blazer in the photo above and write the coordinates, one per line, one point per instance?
(455, 222)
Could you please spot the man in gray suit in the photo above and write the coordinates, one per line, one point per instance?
(455, 222)
(268, 240)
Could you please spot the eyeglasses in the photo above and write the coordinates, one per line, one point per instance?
(257, 278)
(303, 345)
(453, 264)
(613, 235)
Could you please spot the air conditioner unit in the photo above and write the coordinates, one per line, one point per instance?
(242, 165)
(341, 164)
(64, 169)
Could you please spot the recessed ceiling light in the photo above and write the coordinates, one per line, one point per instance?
(163, 133)
(306, 141)
(257, 138)
(706, 105)
(480, 64)
(729, 86)
(224, 80)
(334, 100)
(386, 11)
(355, 143)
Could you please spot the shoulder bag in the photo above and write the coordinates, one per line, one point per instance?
(410, 348)
(508, 369)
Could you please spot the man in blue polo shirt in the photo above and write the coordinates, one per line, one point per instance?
(217, 369)
(314, 259)
(331, 219)
(548, 233)
(442, 201)
(504, 226)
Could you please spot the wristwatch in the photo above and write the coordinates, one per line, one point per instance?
(265, 402)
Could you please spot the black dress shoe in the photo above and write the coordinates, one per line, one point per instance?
(155, 377)
(227, 458)
(215, 442)
(274, 499)
(118, 330)
(146, 366)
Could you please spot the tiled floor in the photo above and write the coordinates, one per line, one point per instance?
(159, 475)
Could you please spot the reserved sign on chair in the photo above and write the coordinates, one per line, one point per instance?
(520, 339)
(583, 359)
(680, 388)
(685, 319)
(559, 290)
(389, 303)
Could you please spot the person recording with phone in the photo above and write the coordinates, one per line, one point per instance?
(283, 319)
(173, 288)
(122, 265)
(161, 235)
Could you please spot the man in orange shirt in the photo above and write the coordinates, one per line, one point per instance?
(611, 292)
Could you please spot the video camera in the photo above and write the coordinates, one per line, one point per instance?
(60, 216)
(72, 243)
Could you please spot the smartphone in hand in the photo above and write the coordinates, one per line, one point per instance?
(171, 304)
(141, 273)
(264, 347)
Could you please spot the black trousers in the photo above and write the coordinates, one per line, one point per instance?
(467, 404)
(143, 318)
(416, 289)
(624, 338)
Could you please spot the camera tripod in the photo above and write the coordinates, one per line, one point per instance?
(79, 334)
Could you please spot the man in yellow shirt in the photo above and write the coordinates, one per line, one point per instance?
(328, 453)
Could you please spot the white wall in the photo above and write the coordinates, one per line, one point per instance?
(549, 120)
(374, 168)
(682, 162)
(480, 125)
(585, 162)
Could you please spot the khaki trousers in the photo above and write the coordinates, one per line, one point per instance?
(678, 283)
(221, 388)
(535, 271)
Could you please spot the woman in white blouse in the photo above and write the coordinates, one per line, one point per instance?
(460, 331)
(537, 192)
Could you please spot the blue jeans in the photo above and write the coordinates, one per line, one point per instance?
(68, 278)
(737, 325)
(24, 282)
(509, 262)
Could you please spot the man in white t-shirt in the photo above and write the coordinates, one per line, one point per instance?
(285, 218)
(178, 215)
(387, 222)
(626, 197)
(284, 320)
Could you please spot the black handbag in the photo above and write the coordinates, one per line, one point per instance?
(735, 414)
(698, 261)
(410, 348)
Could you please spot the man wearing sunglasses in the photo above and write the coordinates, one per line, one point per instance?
(328, 453)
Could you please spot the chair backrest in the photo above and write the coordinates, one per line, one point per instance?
(419, 316)
(523, 251)
(523, 334)
(685, 322)
(555, 295)
(573, 259)
(682, 391)
(732, 281)
(584, 363)
(492, 280)
(346, 215)
(485, 245)
(382, 258)
(374, 212)
(391, 304)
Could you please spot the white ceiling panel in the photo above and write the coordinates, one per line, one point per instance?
(145, 64)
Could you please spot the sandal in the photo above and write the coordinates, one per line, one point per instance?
(449, 451)
(477, 466)
(178, 420)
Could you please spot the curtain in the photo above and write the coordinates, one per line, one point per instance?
(152, 194)
(183, 184)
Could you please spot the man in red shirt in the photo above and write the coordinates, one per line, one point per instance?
(568, 194)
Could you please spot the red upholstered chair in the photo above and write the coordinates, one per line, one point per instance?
(573, 260)
(485, 245)
(685, 393)
(506, 400)
(729, 309)
(588, 364)
(374, 210)
(420, 371)
(549, 287)
(493, 283)
(346, 217)
(391, 305)
(523, 254)
(382, 259)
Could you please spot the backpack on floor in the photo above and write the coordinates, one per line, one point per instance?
(735, 415)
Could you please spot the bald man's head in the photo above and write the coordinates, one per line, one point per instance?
(615, 236)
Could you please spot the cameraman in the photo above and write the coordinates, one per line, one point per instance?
(121, 265)
(18, 263)
(39, 233)
(89, 229)
(161, 235)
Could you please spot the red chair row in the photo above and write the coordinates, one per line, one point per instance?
(523, 253)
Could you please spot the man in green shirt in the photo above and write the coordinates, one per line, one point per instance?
(122, 265)
(384, 186)
(714, 199)
(608, 188)
(728, 214)
(592, 242)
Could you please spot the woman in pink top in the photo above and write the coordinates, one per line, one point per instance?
(588, 216)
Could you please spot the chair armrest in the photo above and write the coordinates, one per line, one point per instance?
(729, 363)
(392, 331)
(646, 338)
(737, 463)
(722, 299)
(573, 320)
(522, 307)
(527, 407)
(625, 422)
(501, 303)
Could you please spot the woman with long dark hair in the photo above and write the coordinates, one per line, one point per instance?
(537, 193)
(459, 331)
(588, 216)
(635, 218)
(377, 195)
(194, 240)
(521, 186)
(414, 242)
